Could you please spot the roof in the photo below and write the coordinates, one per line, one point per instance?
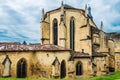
(22, 47)
(66, 6)
(98, 54)
(86, 55)
(49, 47)
(113, 35)
(9, 43)
(80, 54)
(45, 47)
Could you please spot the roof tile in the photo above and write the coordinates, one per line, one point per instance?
(22, 47)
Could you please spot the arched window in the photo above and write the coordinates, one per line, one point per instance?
(72, 26)
(79, 69)
(63, 69)
(21, 68)
(55, 31)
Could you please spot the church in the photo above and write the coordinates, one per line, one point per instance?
(72, 46)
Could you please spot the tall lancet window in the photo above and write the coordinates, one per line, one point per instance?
(72, 26)
(55, 31)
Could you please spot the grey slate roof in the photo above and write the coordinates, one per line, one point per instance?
(68, 6)
(113, 35)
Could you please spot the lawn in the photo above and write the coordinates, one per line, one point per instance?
(112, 76)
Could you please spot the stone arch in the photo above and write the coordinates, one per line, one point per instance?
(55, 31)
(63, 69)
(22, 68)
(79, 70)
(72, 32)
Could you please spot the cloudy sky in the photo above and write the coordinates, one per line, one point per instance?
(20, 19)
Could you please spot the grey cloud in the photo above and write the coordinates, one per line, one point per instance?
(27, 14)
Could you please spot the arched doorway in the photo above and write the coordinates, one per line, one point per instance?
(79, 68)
(21, 68)
(63, 69)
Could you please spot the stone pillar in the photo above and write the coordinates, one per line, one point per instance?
(62, 34)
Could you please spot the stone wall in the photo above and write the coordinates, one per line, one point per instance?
(100, 65)
(39, 63)
(15, 57)
(117, 61)
(86, 67)
(81, 40)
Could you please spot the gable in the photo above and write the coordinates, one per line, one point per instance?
(55, 61)
(6, 60)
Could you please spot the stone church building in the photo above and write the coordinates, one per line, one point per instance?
(72, 46)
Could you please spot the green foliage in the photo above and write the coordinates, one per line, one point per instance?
(112, 76)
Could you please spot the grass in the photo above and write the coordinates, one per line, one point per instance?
(112, 76)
